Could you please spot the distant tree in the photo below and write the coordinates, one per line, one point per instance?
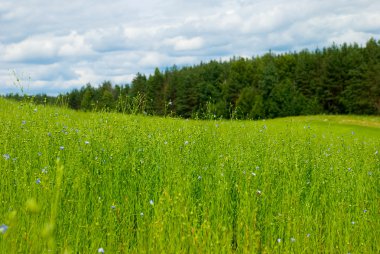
(87, 102)
(139, 85)
(338, 79)
(154, 93)
(372, 55)
(74, 99)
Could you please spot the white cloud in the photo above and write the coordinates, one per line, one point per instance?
(47, 48)
(181, 43)
(65, 46)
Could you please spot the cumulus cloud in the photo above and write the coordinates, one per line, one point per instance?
(67, 46)
(47, 49)
(181, 43)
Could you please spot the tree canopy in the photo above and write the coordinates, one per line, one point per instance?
(342, 79)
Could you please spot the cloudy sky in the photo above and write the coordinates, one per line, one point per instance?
(54, 46)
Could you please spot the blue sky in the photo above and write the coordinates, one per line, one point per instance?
(55, 46)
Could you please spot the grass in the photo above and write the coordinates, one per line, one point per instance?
(76, 182)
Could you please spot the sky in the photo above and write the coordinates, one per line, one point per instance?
(55, 46)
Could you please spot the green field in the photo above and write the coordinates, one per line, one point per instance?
(74, 182)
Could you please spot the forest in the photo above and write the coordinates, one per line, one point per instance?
(339, 79)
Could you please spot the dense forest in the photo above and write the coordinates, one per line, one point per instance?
(340, 79)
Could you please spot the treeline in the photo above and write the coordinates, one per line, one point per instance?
(342, 79)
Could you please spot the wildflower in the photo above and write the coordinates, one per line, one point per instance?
(308, 235)
(370, 173)
(39, 153)
(365, 210)
(6, 156)
(100, 250)
(166, 142)
(170, 103)
(292, 239)
(38, 181)
(23, 122)
(258, 192)
(44, 170)
(353, 222)
(113, 207)
(257, 167)
(35, 110)
(151, 202)
(186, 143)
(199, 177)
(3, 228)
(377, 152)
(253, 174)
(141, 214)
(86, 142)
(279, 240)
(61, 148)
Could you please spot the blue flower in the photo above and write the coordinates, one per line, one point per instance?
(151, 202)
(61, 148)
(38, 181)
(100, 250)
(113, 207)
(86, 142)
(6, 156)
(3, 228)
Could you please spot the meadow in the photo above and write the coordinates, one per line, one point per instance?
(75, 182)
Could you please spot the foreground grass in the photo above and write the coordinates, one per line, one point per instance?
(82, 183)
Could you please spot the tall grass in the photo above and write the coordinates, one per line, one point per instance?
(81, 183)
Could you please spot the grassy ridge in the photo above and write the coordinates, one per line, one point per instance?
(77, 182)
